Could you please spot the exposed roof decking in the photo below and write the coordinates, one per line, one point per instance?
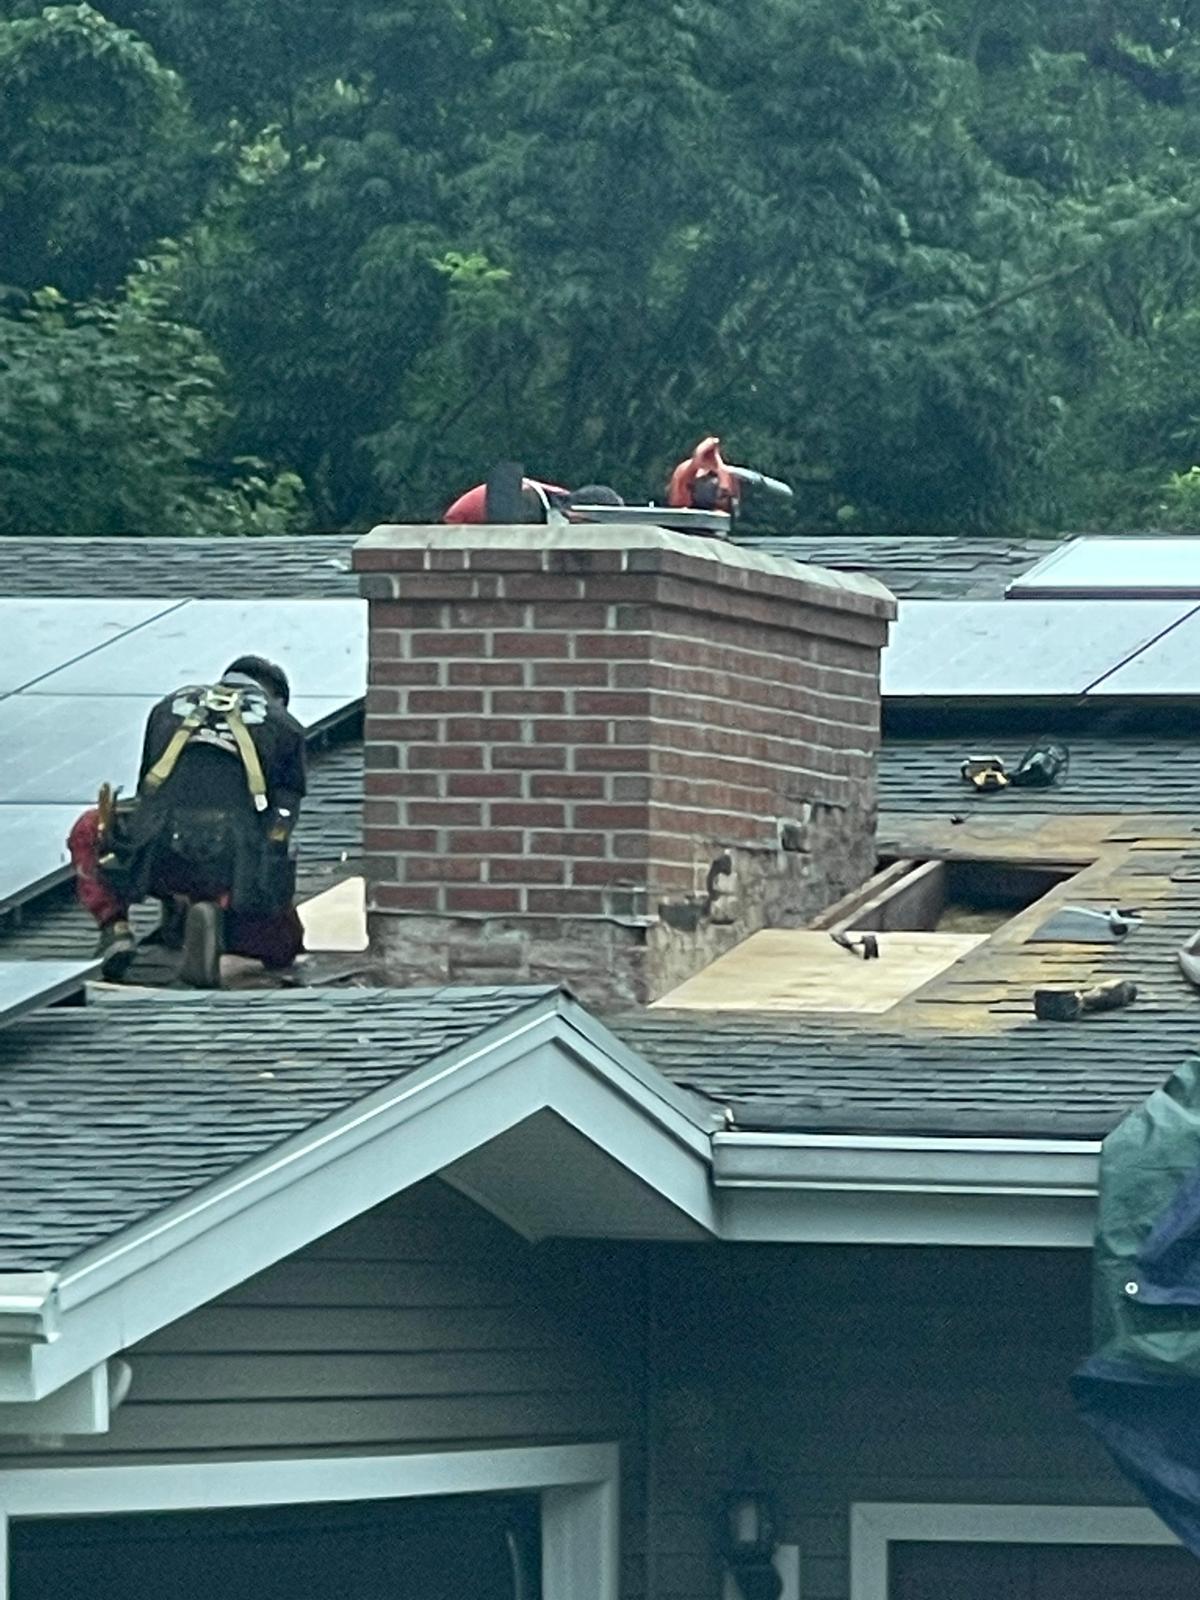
(964, 1055)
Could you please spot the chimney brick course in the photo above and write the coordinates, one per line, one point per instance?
(606, 755)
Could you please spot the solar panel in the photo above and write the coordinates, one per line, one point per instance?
(1115, 568)
(975, 649)
(56, 749)
(38, 636)
(29, 985)
(78, 678)
(321, 645)
(1169, 667)
(33, 849)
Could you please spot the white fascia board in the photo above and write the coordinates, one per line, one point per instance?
(866, 1216)
(879, 1189)
(28, 1307)
(907, 1163)
(542, 1058)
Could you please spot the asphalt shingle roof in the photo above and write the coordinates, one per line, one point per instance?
(1068, 1080)
(311, 566)
(918, 566)
(925, 566)
(1118, 775)
(110, 1113)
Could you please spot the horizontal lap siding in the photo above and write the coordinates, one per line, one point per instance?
(425, 1324)
(865, 1375)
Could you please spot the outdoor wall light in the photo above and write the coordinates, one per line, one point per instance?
(749, 1539)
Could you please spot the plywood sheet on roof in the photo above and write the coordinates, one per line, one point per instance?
(337, 919)
(797, 969)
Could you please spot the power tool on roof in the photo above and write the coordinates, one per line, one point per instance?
(1068, 1005)
(1042, 765)
(985, 773)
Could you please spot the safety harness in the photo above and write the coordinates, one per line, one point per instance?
(220, 702)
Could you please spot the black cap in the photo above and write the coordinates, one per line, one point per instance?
(265, 673)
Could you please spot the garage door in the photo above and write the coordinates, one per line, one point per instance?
(484, 1547)
(938, 1571)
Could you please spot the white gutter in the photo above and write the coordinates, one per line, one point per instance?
(885, 1163)
(28, 1307)
(549, 1057)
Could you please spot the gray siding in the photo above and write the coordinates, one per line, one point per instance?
(424, 1324)
(852, 1374)
(868, 1374)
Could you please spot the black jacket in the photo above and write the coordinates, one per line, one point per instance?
(209, 773)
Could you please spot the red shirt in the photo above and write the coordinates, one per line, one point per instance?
(472, 506)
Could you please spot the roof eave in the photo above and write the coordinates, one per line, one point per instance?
(906, 1189)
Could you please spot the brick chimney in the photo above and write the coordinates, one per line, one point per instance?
(606, 755)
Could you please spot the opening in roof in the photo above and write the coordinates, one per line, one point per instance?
(876, 946)
(908, 895)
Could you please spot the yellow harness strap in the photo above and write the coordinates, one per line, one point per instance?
(255, 780)
(226, 703)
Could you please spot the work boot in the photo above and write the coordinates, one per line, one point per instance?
(201, 965)
(116, 950)
(169, 932)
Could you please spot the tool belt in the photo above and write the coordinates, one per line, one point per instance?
(153, 847)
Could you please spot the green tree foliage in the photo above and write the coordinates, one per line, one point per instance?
(96, 152)
(935, 263)
(117, 408)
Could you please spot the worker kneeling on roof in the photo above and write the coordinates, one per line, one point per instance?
(219, 791)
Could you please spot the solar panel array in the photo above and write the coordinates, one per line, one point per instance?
(78, 677)
(28, 985)
(1114, 569)
(991, 649)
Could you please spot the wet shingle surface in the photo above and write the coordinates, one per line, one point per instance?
(109, 1113)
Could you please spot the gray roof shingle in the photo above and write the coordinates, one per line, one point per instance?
(301, 567)
(110, 1113)
(1072, 1080)
(923, 566)
(1118, 775)
(918, 566)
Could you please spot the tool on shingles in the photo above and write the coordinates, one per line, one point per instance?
(1042, 765)
(867, 946)
(1067, 1005)
(985, 773)
(1072, 924)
